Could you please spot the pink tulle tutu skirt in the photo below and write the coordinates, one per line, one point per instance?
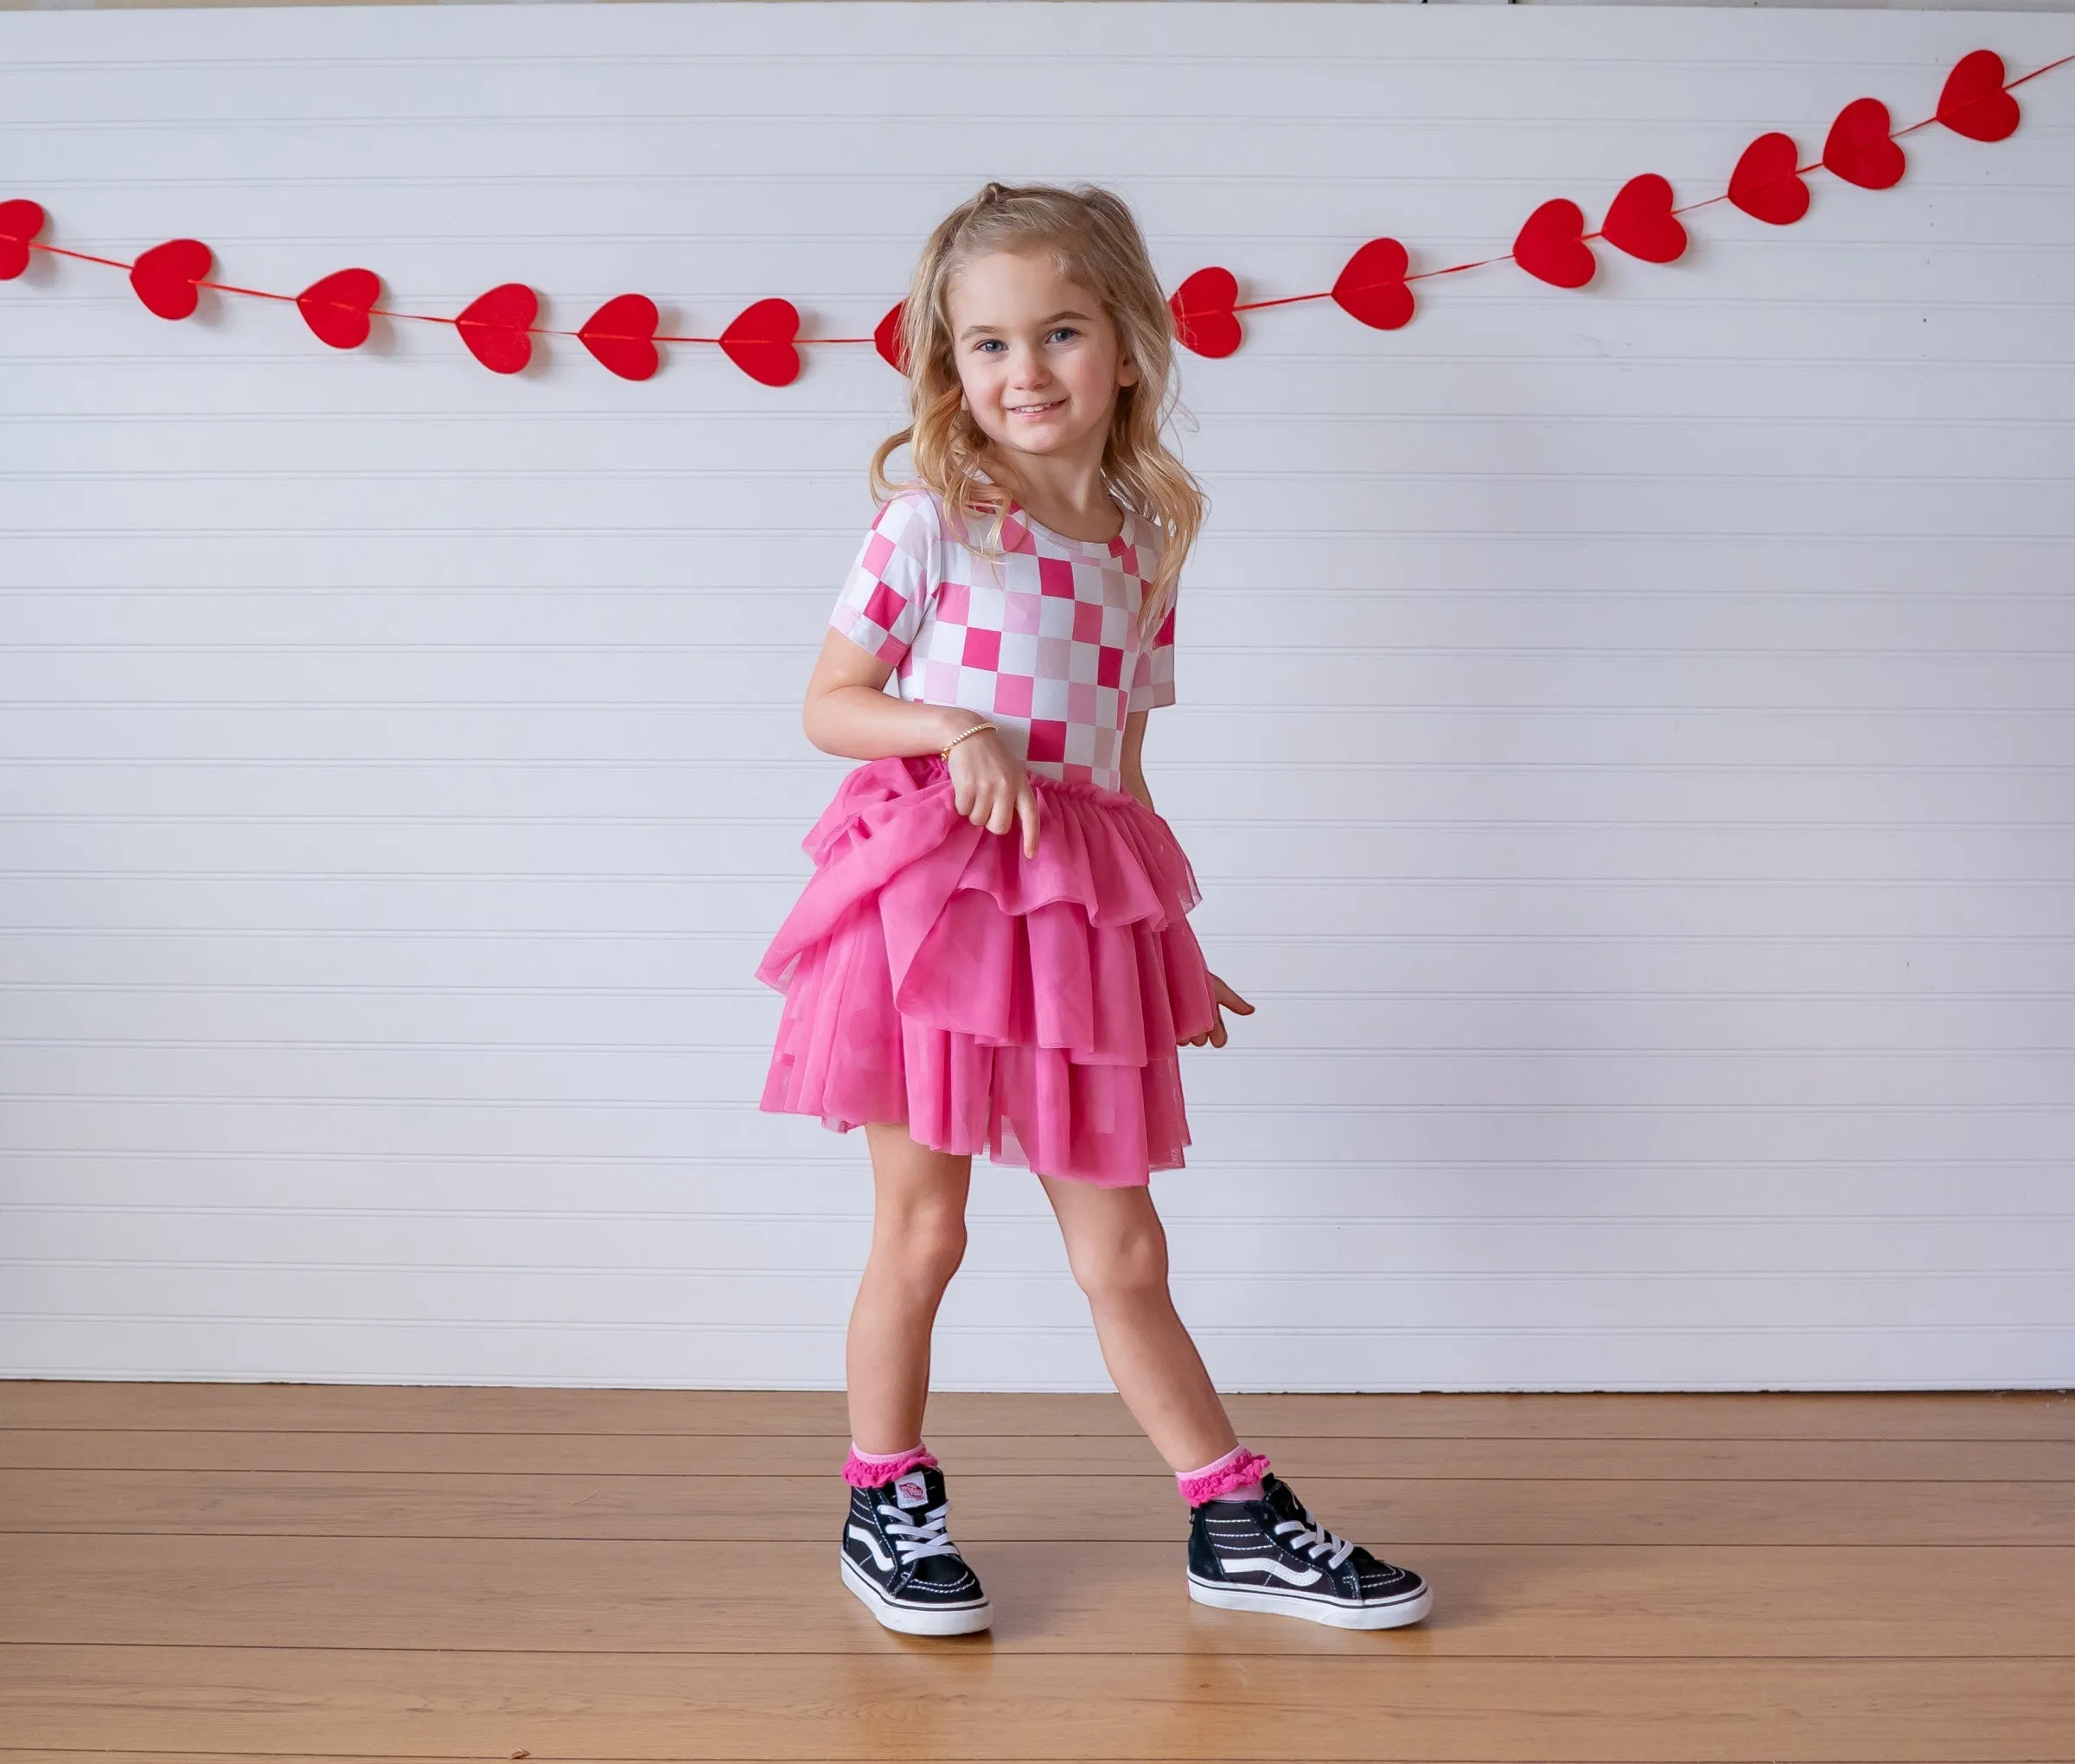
(1031, 1008)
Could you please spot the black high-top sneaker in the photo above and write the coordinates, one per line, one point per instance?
(898, 1559)
(1270, 1555)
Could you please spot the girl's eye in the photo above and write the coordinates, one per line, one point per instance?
(1064, 330)
(986, 343)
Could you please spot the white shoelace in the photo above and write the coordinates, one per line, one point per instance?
(1316, 1541)
(915, 1539)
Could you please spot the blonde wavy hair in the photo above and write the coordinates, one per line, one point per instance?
(1095, 242)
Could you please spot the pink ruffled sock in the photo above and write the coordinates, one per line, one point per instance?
(1236, 1476)
(868, 1470)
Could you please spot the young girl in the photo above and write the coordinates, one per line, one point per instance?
(993, 952)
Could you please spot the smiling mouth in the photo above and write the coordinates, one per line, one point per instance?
(1034, 410)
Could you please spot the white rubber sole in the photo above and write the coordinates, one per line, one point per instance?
(1227, 1597)
(959, 1619)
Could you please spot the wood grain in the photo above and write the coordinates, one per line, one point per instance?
(592, 1596)
(932, 1701)
(1096, 1456)
(1831, 1593)
(996, 1507)
(82, 1406)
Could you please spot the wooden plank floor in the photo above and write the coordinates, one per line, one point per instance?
(214, 1572)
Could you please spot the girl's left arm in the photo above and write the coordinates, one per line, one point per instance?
(1134, 783)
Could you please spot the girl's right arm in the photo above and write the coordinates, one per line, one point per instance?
(849, 712)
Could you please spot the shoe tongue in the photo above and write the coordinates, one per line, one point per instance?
(1278, 1495)
(922, 1486)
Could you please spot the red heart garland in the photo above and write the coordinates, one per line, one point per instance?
(1861, 149)
(337, 307)
(759, 342)
(495, 327)
(1641, 223)
(1372, 286)
(1766, 183)
(1203, 318)
(1974, 102)
(621, 334)
(1552, 246)
(887, 340)
(165, 276)
(20, 220)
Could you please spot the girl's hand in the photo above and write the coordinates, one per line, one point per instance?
(991, 787)
(1227, 1000)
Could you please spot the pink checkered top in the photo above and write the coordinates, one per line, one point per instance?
(1042, 641)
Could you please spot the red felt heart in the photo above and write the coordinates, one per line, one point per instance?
(165, 276)
(887, 340)
(20, 220)
(621, 334)
(1766, 183)
(1641, 223)
(1861, 149)
(1372, 286)
(1203, 318)
(495, 327)
(1552, 244)
(337, 307)
(1974, 102)
(759, 342)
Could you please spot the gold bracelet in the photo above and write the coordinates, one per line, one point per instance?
(955, 739)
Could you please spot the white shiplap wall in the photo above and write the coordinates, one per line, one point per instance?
(1627, 737)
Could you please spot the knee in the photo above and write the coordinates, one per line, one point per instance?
(1127, 1264)
(921, 1250)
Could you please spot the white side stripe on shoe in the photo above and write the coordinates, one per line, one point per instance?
(880, 1558)
(1267, 1564)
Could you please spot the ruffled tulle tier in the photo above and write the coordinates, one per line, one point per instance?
(1029, 1008)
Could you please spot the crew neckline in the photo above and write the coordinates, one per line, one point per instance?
(1094, 547)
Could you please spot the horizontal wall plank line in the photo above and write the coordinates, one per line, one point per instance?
(1038, 1332)
(675, 1104)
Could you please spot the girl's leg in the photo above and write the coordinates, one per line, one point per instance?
(1118, 1249)
(918, 1238)
(1251, 1547)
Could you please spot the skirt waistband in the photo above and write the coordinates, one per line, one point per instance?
(933, 767)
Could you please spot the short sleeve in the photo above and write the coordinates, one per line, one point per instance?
(1152, 680)
(887, 591)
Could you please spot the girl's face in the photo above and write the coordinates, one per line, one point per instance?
(1037, 357)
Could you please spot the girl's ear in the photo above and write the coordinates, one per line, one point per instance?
(1127, 371)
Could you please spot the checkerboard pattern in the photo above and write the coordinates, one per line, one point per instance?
(1042, 641)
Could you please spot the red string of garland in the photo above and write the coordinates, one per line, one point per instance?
(763, 340)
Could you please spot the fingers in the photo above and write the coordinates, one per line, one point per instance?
(1223, 999)
(999, 805)
(982, 801)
